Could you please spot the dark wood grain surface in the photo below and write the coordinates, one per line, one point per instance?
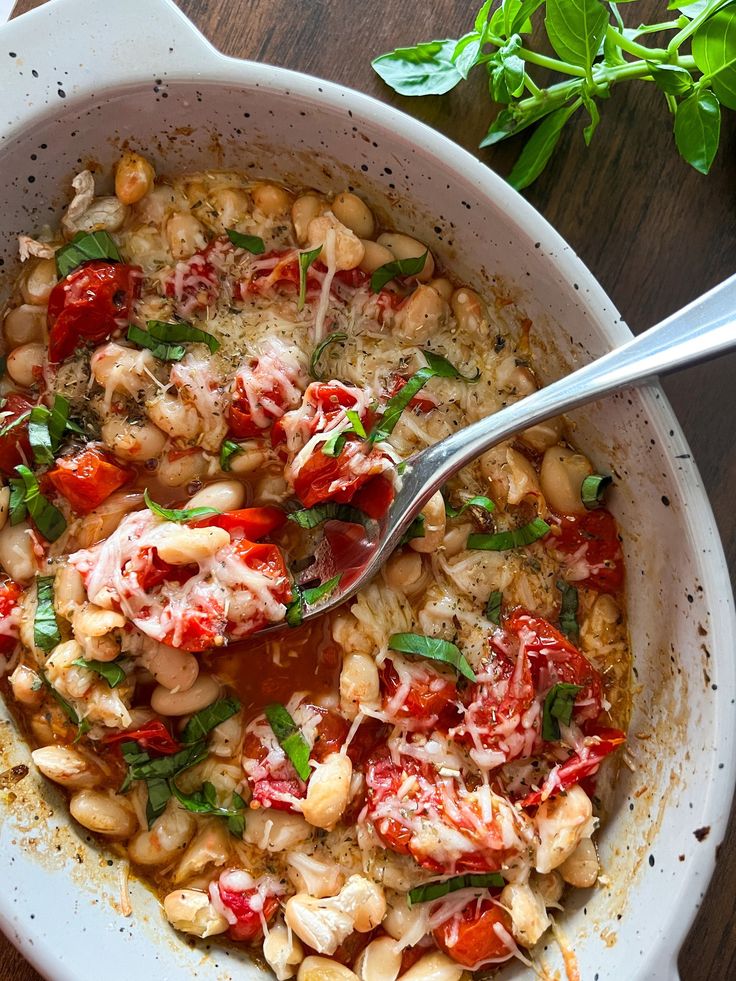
(654, 232)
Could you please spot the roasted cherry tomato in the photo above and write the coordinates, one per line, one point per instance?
(88, 478)
(194, 284)
(590, 547)
(475, 935)
(15, 446)
(153, 736)
(374, 497)
(89, 304)
(10, 593)
(599, 743)
(429, 703)
(251, 523)
(326, 478)
(248, 906)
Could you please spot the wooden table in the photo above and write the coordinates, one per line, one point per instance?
(653, 231)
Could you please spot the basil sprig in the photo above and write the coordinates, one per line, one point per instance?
(251, 243)
(47, 518)
(330, 511)
(558, 706)
(166, 340)
(433, 648)
(305, 261)
(175, 514)
(397, 267)
(436, 890)
(228, 450)
(569, 610)
(46, 633)
(307, 597)
(112, 671)
(475, 502)
(493, 607)
(593, 488)
(501, 541)
(203, 722)
(319, 350)
(204, 801)
(290, 738)
(84, 247)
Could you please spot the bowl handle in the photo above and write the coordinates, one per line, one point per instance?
(104, 44)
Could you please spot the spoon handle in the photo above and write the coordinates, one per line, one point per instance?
(703, 329)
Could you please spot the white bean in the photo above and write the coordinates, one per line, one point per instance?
(4, 506)
(36, 285)
(470, 311)
(434, 525)
(542, 436)
(25, 324)
(581, 868)
(136, 441)
(224, 495)
(181, 545)
(304, 209)
(271, 200)
(225, 738)
(192, 912)
(422, 316)
(67, 767)
(170, 834)
(282, 952)
(405, 571)
(359, 684)
(27, 686)
(379, 961)
(17, 553)
(529, 918)
(328, 791)
(434, 967)
(122, 369)
(232, 205)
(561, 823)
(374, 256)
(314, 876)
(69, 591)
(172, 668)
(178, 469)
(347, 247)
(104, 214)
(456, 539)
(185, 235)
(211, 846)
(562, 474)
(548, 885)
(323, 969)
(203, 692)
(177, 418)
(354, 214)
(324, 924)
(134, 177)
(406, 247)
(103, 812)
(25, 364)
(275, 831)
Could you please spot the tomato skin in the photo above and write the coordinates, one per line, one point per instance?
(431, 701)
(250, 523)
(577, 768)
(89, 304)
(374, 497)
(469, 937)
(15, 446)
(249, 926)
(88, 478)
(597, 533)
(153, 735)
(10, 593)
(326, 478)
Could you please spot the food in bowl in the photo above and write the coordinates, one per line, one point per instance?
(211, 384)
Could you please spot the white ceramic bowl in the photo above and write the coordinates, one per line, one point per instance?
(82, 76)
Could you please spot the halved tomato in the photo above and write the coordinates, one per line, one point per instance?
(589, 545)
(475, 935)
(88, 478)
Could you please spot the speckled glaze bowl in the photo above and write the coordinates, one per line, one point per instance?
(80, 79)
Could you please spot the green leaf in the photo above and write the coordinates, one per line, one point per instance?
(442, 368)
(467, 52)
(592, 490)
(113, 673)
(569, 611)
(83, 247)
(424, 69)
(251, 243)
(493, 606)
(66, 708)
(308, 597)
(173, 514)
(430, 891)
(236, 823)
(575, 29)
(159, 794)
(228, 450)
(46, 634)
(333, 446)
(166, 767)
(48, 519)
(319, 350)
(164, 352)
(512, 17)
(290, 738)
(39, 436)
(397, 267)
(514, 120)
(433, 648)
(671, 79)
(305, 261)
(714, 51)
(17, 504)
(311, 517)
(165, 340)
(475, 502)
(481, 18)
(507, 77)
(558, 707)
(698, 129)
(515, 538)
(204, 801)
(538, 149)
(204, 721)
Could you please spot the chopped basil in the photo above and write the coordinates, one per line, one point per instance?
(164, 352)
(311, 517)
(493, 606)
(305, 261)
(84, 247)
(112, 671)
(436, 890)
(569, 610)
(251, 243)
(163, 767)
(47, 518)
(317, 353)
(46, 428)
(307, 597)
(204, 721)
(433, 648)
(17, 504)
(475, 502)
(46, 633)
(228, 450)
(166, 340)
(204, 801)
(592, 490)
(334, 445)
(443, 368)
(558, 706)
(173, 514)
(514, 538)
(397, 267)
(159, 794)
(290, 738)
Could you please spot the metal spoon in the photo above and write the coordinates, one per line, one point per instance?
(704, 329)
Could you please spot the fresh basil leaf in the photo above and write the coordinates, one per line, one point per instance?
(356, 422)
(475, 502)
(481, 18)
(558, 707)
(493, 607)
(251, 243)
(592, 490)
(714, 51)
(84, 247)
(591, 107)
(166, 767)
(173, 514)
(514, 120)
(46, 633)
(204, 721)
(442, 368)
(165, 339)
(112, 671)
(164, 352)
(507, 77)
(671, 79)
(575, 29)
(569, 611)
(58, 421)
(290, 738)
(39, 436)
(501, 541)
(538, 149)
(159, 795)
(319, 350)
(424, 69)
(467, 52)
(333, 446)
(698, 129)
(228, 450)
(430, 891)
(308, 597)
(311, 517)
(397, 267)
(236, 822)
(433, 648)
(305, 261)
(17, 504)
(204, 801)
(47, 518)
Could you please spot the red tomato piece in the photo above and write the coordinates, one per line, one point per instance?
(268, 560)
(10, 593)
(429, 704)
(195, 283)
(475, 935)
(241, 422)
(89, 304)
(600, 743)
(245, 905)
(251, 523)
(350, 277)
(153, 736)
(15, 446)
(88, 478)
(590, 547)
(271, 793)
(374, 497)
(326, 478)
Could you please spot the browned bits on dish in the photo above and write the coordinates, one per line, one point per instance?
(134, 177)
(9, 778)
